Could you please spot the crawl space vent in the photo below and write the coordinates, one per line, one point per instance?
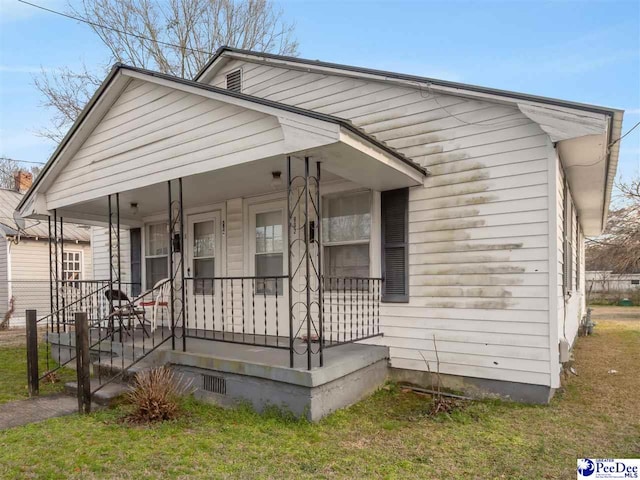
(213, 384)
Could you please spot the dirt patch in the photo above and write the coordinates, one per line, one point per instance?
(615, 313)
(14, 337)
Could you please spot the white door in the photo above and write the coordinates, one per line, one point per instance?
(204, 267)
(268, 259)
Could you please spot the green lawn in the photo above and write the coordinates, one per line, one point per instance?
(388, 435)
(13, 369)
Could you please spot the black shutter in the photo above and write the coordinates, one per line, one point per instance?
(395, 245)
(135, 237)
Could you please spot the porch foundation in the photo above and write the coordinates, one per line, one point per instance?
(350, 373)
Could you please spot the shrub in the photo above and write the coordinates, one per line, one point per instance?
(156, 395)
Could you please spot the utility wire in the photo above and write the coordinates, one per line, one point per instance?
(603, 157)
(628, 132)
(106, 27)
(21, 161)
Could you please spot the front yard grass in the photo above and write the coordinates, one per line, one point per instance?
(13, 368)
(387, 435)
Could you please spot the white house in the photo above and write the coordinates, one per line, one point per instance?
(469, 203)
(24, 260)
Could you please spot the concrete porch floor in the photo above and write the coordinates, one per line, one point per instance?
(228, 373)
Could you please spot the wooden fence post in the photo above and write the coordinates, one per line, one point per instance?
(32, 352)
(83, 363)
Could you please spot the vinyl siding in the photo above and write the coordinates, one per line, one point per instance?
(152, 133)
(479, 228)
(100, 249)
(30, 275)
(4, 278)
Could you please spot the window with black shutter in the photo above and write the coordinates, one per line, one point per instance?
(395, 245)
(234, 81)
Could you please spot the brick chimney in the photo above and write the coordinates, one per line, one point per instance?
(23, 181)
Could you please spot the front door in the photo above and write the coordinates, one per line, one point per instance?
(204, 267)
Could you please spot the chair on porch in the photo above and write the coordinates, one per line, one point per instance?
(160, 299)
(124, 310)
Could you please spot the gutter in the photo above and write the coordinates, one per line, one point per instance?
(412, 78)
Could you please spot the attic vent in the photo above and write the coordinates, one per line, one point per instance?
(234, 81)
(211, 383)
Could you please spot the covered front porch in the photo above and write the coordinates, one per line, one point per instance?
(224, 223)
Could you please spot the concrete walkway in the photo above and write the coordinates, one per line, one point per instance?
(36, 409)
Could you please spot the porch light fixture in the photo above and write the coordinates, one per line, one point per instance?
(276, 180)
(133, 207)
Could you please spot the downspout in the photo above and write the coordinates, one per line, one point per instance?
(552, 219)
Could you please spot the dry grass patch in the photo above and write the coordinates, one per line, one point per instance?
(389, 435)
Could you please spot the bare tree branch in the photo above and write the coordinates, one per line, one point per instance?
(9, 167)
(173, 36)
(618, 248)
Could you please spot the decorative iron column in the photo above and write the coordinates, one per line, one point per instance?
(290, 235)
(320, 253)
(309, 266)
(55, 269)
(62, 283)
(51, 268)
(183, 305)
(170, 266)
(115, 264)
(176, 264)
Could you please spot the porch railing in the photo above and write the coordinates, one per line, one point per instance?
(256, 310)
(351, 309)
(248, 310)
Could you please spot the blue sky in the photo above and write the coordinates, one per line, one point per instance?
(583, 51)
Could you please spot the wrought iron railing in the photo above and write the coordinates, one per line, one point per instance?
(351, 309)
(248, 310)
(255, 311)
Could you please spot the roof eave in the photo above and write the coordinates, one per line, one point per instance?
(383, 74)
(65, 140)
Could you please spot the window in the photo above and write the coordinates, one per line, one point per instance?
(72, 265)
(234, 81)
(346, 232)
(635, 282)
(269, 256)
(204, 256)
(578, 253)
(567, 270)
(395, 245)
(156, 253)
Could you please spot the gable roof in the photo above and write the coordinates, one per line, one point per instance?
(118, 67)
(413, 78)
(9, 200)
(571, 125)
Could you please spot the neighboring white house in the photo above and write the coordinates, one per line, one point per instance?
(606, 281)
(494, 194)
(24, 260)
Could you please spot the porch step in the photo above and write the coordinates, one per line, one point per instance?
(108, 396)
(107, 367)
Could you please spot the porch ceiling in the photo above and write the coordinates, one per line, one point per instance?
(210, 188)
